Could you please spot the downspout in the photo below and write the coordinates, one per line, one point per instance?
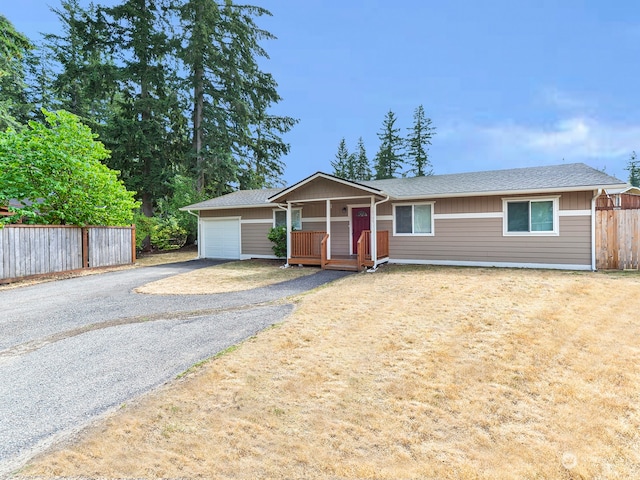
(374, 241)
(593, 228)
(286, 209)
(198, 233)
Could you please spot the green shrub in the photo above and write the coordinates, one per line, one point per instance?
(167, 234)
(144, 227)
(278, 236)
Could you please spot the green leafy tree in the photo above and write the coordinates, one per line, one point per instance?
(14, 47)
(633, 167)
(417, 144)
(341, 163)
(183, 192)
(388, 160)
(361, 169)
(56, 171)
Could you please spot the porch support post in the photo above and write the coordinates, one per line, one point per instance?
(288, 231)
(374, 232)
(328, 228)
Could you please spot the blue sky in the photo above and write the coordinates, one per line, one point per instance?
(507, 83)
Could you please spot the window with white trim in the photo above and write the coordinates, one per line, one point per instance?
(280, 218)
(415, 219)
(531, 216)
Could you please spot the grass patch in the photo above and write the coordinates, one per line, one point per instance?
(227, 277)
(412, 373)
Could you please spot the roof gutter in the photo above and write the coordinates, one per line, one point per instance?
(374, 242)
(533, 191)
(198, 232)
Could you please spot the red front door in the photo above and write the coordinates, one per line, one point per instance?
(360, 220)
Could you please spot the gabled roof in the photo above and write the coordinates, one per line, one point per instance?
(565, 177)
(364, 186)
(547, 179)
(241, 198)
(631, 190)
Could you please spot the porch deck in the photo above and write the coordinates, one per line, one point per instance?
(310, 248)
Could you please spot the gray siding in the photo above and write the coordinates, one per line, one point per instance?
(324, 188)
(254, 239)
(481, 240)
(340, 238)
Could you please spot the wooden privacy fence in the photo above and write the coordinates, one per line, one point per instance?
(27, 250)
(617, 239)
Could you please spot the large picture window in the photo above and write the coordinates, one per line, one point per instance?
(413, 219)
(531, 216)
(280, 218)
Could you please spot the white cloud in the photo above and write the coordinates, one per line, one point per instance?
(562, 100)
(572, 138)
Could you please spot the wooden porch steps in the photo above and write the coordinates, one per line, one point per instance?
(346, 264)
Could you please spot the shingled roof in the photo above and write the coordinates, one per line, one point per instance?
(554, 177)
(565, 177)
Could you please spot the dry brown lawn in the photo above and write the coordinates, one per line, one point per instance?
(172, 256)
(408, 373)
(228, 277)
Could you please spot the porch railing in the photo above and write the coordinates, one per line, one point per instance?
(364, 246)
(306, 244)
(323, 250)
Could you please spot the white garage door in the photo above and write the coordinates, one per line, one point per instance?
(221, 238)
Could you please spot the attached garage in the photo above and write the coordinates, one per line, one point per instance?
(220, 238)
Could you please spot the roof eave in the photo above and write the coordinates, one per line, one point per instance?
(532, 191)
(227, 207)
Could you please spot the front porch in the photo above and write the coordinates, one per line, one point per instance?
(312, 248)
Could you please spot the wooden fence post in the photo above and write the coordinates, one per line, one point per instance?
(85, 247)
(133, 243)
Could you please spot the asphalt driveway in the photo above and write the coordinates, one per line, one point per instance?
(74, 349)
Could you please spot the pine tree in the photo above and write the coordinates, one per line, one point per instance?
(146, 130)
(361, 168)
(417, 144)
(84, 82)
(341, 163)
(388, 160)
(633, 167)
(14, 47)
(234, 138)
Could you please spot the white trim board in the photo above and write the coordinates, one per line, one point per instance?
(323, 219)
(249, 256)
(249, 221)
(574, 213)
(465, 216)
(455, 263)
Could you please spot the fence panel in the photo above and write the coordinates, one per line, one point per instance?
(110, 246)
(618, 239)
(27, 250)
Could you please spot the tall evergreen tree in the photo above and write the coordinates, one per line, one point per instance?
(234, 138)
(14, 47)
(341, 163)
(145, 132)
(417, 144)
(633, 167)
(361, 168)
(388, 160)
(84, 82)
